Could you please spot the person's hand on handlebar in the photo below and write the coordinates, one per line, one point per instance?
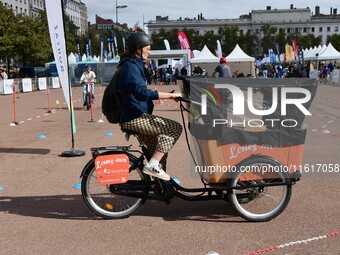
(166, 95)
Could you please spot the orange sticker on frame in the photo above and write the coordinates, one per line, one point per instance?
(112, 169)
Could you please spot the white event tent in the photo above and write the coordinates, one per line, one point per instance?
(321, 53)
(330, 53)
(206, 60)
(241, 62)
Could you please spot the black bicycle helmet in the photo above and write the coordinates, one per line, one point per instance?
(138, 40)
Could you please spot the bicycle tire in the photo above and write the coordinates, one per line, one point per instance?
(262, 203)
(101, 199)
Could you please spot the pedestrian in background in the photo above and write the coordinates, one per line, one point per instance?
(222, 69)
(3, 74)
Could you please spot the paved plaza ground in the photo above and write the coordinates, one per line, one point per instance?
(41, 211)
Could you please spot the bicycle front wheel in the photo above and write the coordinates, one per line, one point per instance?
(261, 189)
(114, 201)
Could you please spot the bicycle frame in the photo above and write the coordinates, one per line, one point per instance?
(172, 188)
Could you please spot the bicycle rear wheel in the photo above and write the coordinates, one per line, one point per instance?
(260, 203)
(105, 200)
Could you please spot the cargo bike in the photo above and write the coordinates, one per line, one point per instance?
(253, 166)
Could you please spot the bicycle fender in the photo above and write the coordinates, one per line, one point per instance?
(85, 167)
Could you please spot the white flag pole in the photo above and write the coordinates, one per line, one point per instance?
(56, 25)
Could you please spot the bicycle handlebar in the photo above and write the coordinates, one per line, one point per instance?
(183, 99)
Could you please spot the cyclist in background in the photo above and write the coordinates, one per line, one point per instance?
(223, 70)
(87, 76)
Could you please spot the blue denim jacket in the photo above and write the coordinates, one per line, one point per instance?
(132, 80)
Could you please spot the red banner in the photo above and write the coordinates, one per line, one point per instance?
(296, 49)
(183, 40)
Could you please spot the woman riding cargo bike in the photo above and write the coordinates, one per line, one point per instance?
(118, 179)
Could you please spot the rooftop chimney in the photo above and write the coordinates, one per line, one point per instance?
(335, 11)
(269, 8)
(291, 6)
(317, 10)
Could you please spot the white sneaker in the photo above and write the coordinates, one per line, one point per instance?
(156, 171)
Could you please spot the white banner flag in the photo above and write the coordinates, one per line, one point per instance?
(219, 49)
(56, 27)
(167, 44)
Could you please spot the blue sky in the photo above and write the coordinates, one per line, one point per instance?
(137, 10)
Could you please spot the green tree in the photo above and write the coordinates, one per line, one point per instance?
(229, 38)
(171, 36)
(7, 33)
(247, 43)
(281, 39)
(335, 40)
(309, 41)
(32, 45)
(71, 34)
(268, 37)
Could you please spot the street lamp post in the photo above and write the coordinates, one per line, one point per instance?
(317, 63)
(119, 7)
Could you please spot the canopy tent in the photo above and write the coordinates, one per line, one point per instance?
(240, 62)
(89, 60)
(322, 53)
(196, 52)
(206, 60)
(311, 55)
(329, 54)
(72, 59)
(114, 60)
(169, 54)
(238, 55)
(205, 56)
(267, 60)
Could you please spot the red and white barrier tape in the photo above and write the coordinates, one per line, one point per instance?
(306, 241)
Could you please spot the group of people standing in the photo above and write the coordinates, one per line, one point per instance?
(280, 71)
(165, 76)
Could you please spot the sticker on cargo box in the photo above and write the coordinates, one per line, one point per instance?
(112, 169)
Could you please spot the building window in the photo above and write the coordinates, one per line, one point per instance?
(313, 29)
(296, 30)
(328, 29)
(305, 30)
(241, 31)
(288, 30)
(320, 29)
(336, 29)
